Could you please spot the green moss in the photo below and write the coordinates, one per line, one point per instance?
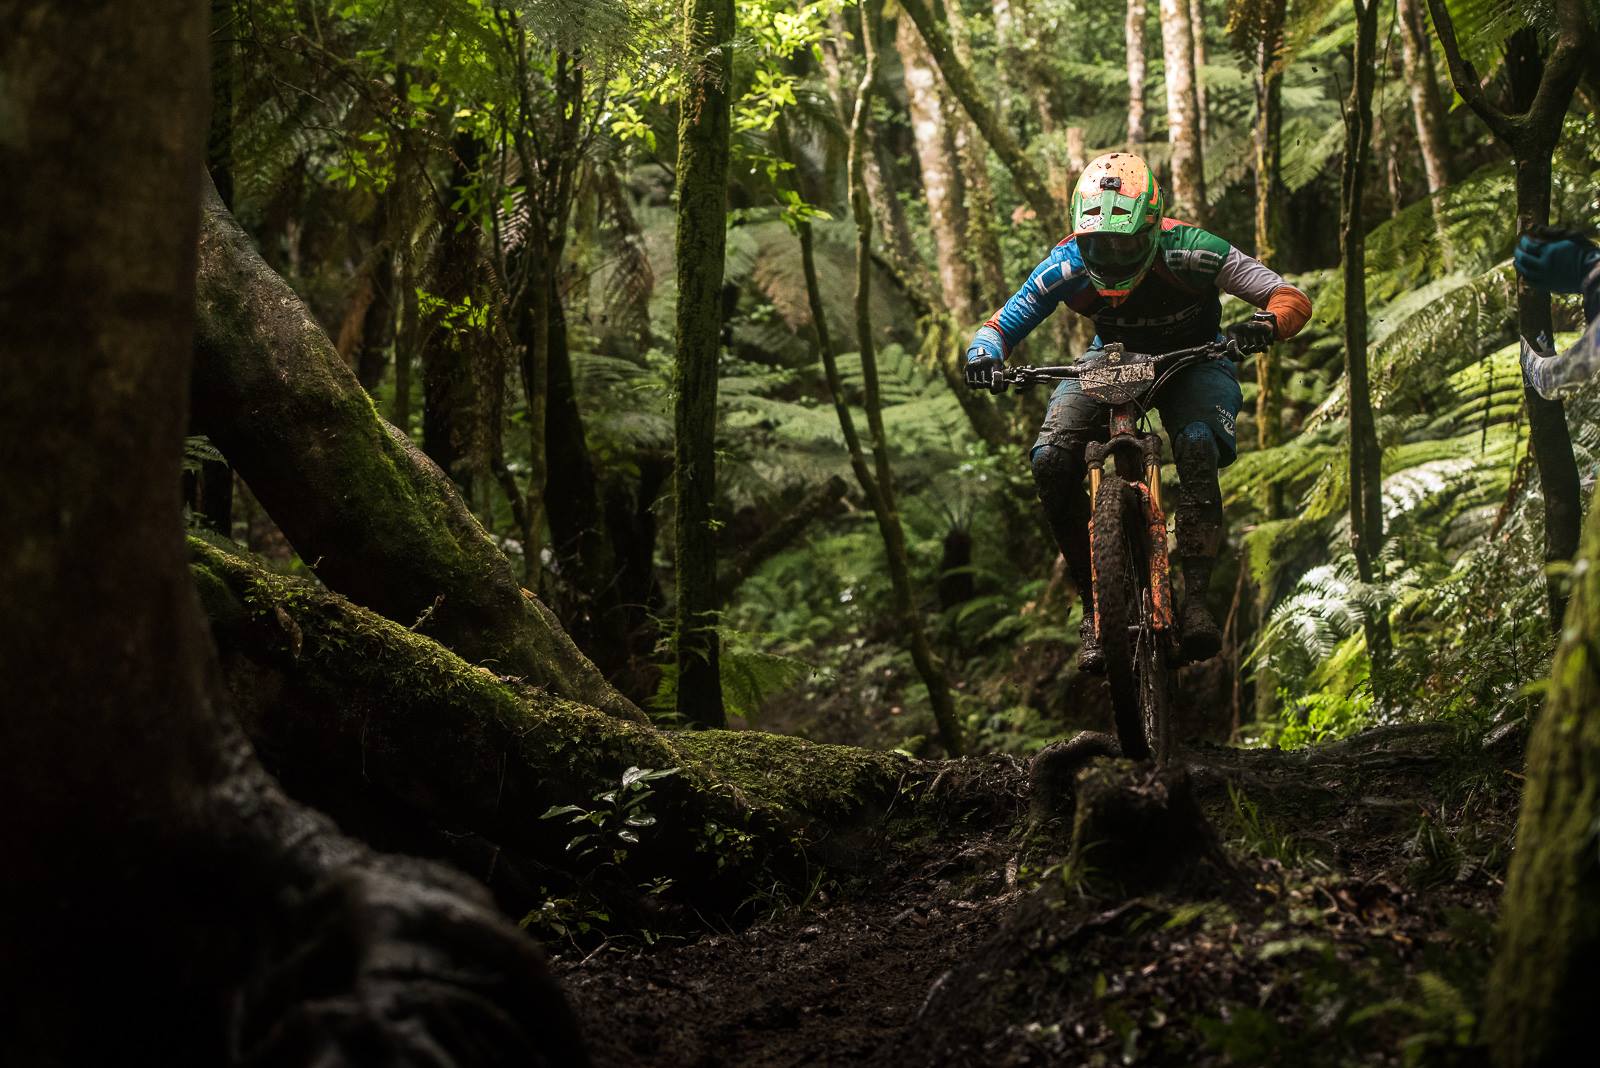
(794, 776)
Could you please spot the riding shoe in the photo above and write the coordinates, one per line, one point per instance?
(1199, 636)
(1091, 655)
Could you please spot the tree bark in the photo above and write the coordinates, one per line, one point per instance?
(941, 177)
(1029, 183)
(1188, 186)
(1541, 91)
(1133, 32)
(399, 737)
(449, 393)
(362, 506)
(983, 220)
(1197, 26)
(702, 224)
(1427, 111)
(1366, 473)
(262, 935)
(882, 481)
(1541, 991)
(1268, 130)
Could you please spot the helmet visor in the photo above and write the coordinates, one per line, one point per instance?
(1115, 255)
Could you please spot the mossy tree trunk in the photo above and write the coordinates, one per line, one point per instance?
(240, 927)
(1542, 990)
(702, 228)
(410, 745)
(361, 505)
(1541, 90)
(1366, 476)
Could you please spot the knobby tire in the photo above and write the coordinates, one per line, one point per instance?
(1117, 596)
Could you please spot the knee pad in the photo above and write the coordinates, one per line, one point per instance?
(1195, 453)
(1059, 466)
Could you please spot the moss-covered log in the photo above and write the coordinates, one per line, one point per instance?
(364, 507)
(390, 731)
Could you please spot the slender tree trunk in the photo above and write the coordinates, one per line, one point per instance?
(449, 392)
(1134, 38)
(702, 223)
(1029, 183)
(983, 220)
(889, 525)
(1188, 184)
(1366, 475)
(1197, 26)
(1427, 111)
(941, 176)
(377, 324)
(263, 936)
(1269, 129)
(1541, 92)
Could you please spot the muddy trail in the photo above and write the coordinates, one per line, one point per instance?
(1327, 906)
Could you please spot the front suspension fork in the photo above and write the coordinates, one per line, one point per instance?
(1149, 489)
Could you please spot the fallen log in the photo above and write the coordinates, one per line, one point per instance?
(411, 746)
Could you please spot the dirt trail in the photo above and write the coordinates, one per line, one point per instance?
(967, 943)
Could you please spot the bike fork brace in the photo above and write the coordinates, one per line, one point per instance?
(1095, 455)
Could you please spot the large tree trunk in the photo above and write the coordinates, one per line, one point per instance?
(1268, 37)
(1029, 183)
(1366, 477)
(1540, 92)
(405, 741)
(1542, 989)
(1133, 35)
(1188, 184)
(941, 177)
(246, 929)
(363, 507)
(702, 226)
(1427, 111)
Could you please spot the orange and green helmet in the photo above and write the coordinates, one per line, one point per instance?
(1116, 219)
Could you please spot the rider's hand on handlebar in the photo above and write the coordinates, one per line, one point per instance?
(1256, 333)
(983, 370)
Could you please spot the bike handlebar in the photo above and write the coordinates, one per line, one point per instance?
(1167, 361)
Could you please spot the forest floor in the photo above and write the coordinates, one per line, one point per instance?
(1354, 927)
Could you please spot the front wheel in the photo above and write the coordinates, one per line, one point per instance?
(1115, 541)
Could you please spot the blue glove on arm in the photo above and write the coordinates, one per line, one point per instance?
(985, 356)
(1555, 259)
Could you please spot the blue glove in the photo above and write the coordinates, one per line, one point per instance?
(985, 357)
(1554, 259)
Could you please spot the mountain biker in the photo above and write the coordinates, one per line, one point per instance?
(1152, 283)
(1562, 261)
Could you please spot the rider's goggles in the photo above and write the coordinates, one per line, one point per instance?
(1110, 253)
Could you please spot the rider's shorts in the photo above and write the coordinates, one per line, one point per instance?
(1205, 393)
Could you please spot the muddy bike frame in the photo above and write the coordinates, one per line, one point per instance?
(1123, 381)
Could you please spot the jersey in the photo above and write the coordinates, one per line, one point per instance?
(1176, 305)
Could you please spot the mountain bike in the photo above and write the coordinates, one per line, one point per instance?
(1128, 534)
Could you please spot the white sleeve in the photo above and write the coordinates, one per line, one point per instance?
(1248, 278)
